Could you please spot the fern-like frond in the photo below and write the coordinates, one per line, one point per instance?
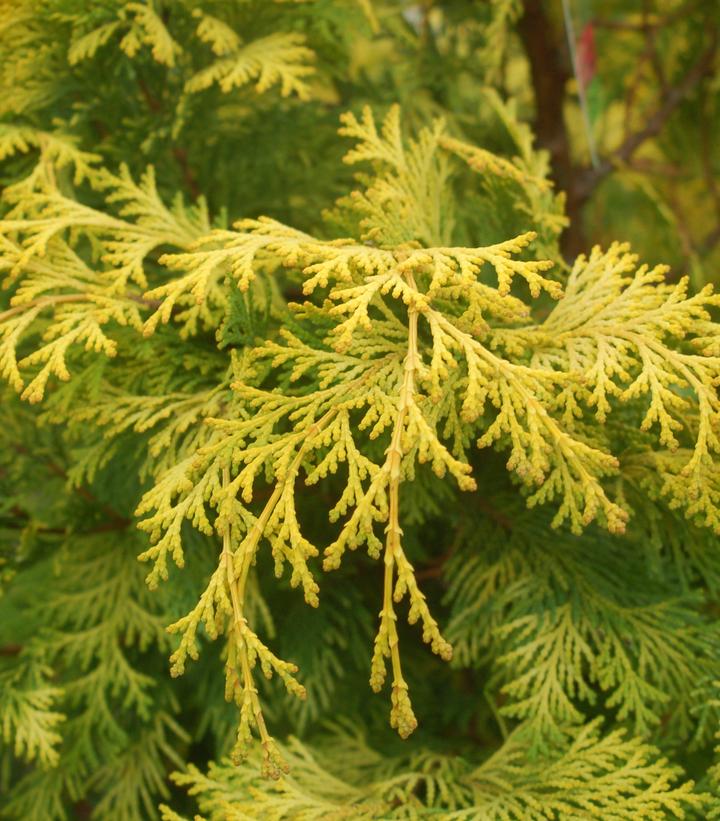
(566, 628)
(637, 339)
(148, 29)
(588, 774)
(29, 722)
(56, 149)
(59, 294)
(278, 59)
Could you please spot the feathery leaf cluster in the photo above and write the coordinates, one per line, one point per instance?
(387, 392)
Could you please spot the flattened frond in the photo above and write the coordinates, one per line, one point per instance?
(278, 59)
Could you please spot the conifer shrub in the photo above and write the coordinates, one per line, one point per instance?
(316, 359)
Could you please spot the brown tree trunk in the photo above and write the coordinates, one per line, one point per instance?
(546, 47)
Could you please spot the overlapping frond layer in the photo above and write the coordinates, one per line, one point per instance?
(638, 340)
(61, 300)
(418, 347)
(359, 782)
(94, 622)
(565, 630)
(503, 457)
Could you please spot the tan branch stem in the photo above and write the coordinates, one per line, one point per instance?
(42, 302)
(61, 299)
(402, 716)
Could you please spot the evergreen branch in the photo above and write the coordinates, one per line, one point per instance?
(41, 303)
(386, 641)
(431, 334)
(355, 781)
(278, 59)
(28, 721)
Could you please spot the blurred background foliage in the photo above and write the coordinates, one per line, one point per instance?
(648, 71)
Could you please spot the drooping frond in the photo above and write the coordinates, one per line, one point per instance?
(410, 395)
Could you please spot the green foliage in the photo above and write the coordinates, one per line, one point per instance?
(305, 387)
(27, 717)
(589, 776)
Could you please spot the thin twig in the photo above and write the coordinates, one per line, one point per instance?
(582, 96)
(671, 100)
(179, 154)
(641, 28)
(42, 301)
(61, 299)
(81, 491)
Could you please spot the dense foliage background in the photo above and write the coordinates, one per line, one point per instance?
(584, 680)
